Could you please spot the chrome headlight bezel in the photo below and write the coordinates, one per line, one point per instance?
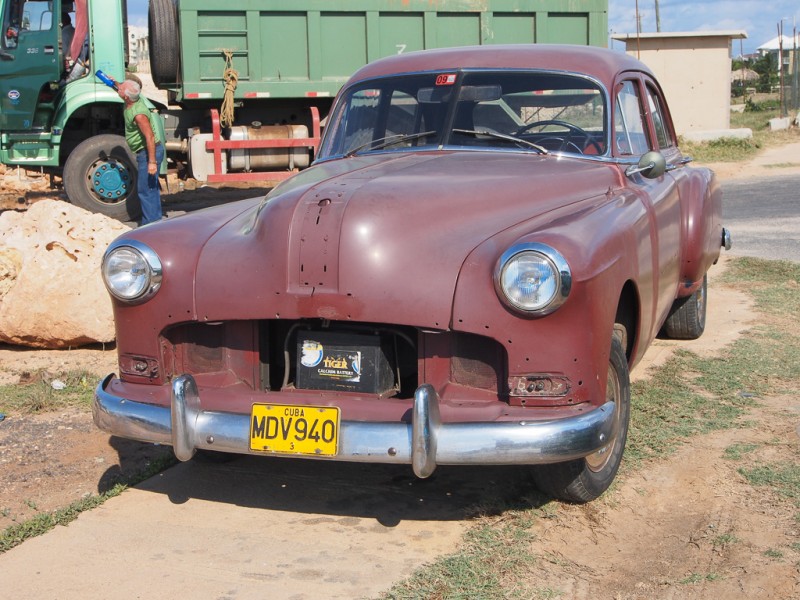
(551, 259)
(147, 260)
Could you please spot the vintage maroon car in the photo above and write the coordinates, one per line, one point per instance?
(488, 240)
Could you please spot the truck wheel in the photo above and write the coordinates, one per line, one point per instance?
(100, 176)
(164, 50)
(687, 317)
(587, 478)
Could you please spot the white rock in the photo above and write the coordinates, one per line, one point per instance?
(51, 291)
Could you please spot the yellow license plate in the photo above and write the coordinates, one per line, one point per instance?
(288, 429)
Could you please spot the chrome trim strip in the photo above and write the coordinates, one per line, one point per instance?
(424, 443)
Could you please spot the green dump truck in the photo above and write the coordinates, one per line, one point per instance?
(248, 82)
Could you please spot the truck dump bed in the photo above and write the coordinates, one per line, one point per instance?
(308, 48)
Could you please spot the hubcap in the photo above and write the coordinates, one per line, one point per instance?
(597, 461)
(110, 181)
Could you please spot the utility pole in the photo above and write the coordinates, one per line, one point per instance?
(658, 18)
(781, 103)
(638, 31)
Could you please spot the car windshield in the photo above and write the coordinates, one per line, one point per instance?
(538, 112)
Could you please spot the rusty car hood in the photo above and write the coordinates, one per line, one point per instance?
(381, 237)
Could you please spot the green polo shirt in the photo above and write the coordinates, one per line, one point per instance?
(133, 135)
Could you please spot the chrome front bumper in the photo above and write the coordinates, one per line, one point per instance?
(424, 443)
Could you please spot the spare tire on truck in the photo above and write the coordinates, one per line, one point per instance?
(162, 19)
(100, 175)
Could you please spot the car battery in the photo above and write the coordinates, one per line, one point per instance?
(343, 361)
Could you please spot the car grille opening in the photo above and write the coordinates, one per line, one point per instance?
(265, 355)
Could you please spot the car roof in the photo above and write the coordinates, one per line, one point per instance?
(600, 63)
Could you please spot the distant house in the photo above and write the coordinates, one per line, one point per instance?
(138, 49)
(774, 45)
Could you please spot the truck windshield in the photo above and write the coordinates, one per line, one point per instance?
(536, 112)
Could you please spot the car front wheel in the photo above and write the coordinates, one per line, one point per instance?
(585, 479)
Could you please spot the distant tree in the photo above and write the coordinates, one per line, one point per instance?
(767, 68)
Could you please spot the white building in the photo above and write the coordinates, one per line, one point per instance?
(138, 49)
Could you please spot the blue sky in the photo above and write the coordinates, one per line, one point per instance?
(759, 18)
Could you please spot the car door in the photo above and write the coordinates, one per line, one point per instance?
(29, 59)
(634, 135)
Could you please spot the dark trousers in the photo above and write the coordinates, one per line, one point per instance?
(147, 186)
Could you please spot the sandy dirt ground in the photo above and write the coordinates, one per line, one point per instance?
(659, 534)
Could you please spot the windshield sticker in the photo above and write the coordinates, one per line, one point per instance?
(447, 79)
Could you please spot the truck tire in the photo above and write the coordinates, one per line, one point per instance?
(687, 317)
(585, 479)
(100, 176)
(164, 43)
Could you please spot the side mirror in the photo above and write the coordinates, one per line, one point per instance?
(652, 165)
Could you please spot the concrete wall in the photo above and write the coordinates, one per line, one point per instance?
(695, 71)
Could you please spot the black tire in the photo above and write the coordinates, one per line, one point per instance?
(162, 20)
(687, 317)
(100, 176)
(585, 479)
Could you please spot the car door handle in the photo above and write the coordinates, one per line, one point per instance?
(685, 160)
(6, 56)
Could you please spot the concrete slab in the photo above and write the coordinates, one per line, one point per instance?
(256, 528)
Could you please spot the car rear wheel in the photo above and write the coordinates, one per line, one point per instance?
(587, 478)
(100, 176)
(687, 317)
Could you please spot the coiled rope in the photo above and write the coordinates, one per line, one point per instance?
(231, 77)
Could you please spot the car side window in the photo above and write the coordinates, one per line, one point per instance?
(630, 134)
(659, 120)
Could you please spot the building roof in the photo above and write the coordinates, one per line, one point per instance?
(774, 43)
(738, 34)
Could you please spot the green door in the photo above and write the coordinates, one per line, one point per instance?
(29, 58)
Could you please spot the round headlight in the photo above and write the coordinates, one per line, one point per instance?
(131, 271)
(532, 279)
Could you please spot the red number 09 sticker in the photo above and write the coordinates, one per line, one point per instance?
(446, 79)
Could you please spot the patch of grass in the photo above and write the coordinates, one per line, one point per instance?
(737, 451)
(721, 150)
(547, 594)
(784, 165)
(699, 578)
(772, 553)
(733, 149)
(775, 285)
(783, 479)
(489, 552)
(686, 396)
(46, 392)
(43, 522)
(757, 120)
(726, 539)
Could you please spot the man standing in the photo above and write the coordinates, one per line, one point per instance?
(141, 134)
(67, 31)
